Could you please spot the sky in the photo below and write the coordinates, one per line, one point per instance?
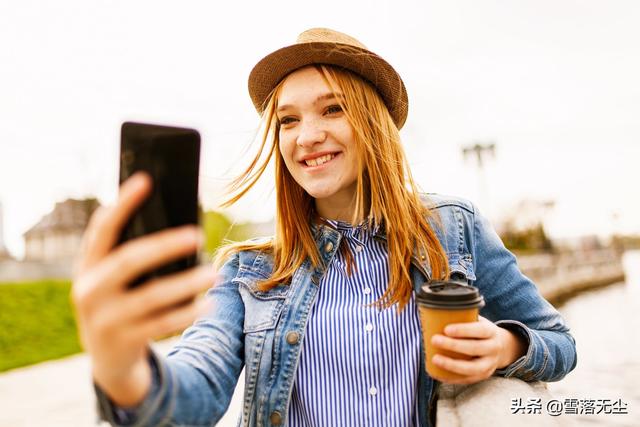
(553, 83)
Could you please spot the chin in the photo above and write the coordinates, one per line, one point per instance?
(320, 193)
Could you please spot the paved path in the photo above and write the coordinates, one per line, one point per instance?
(60, 393)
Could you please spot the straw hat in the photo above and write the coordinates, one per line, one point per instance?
(325, 46)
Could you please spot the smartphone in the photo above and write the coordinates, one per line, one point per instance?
(171, 156)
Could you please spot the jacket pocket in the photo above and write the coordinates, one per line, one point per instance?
(261, 309)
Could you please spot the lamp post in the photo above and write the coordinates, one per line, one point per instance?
(479, 152)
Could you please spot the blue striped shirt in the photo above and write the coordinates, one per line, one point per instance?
(358, 364)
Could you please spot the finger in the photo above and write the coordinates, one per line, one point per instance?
(479, 329)
(460, 380)
(135, 257)
(174, 320)
(474, 367)
(470, 347)
(105, 228)
(83, 260)
(162, 293)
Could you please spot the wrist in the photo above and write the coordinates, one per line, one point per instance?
(125, 389)
(513, 347)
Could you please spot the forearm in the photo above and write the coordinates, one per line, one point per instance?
(509, 294)
(179, 393)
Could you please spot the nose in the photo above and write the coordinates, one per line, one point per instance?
(310, 134)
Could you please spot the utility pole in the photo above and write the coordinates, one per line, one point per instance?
(479, 152)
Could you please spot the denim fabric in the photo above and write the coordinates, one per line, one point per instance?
(249, 328)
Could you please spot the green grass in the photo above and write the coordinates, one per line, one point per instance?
(36, 318)
(36, 323)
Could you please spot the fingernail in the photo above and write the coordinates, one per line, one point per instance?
(138, 179)
(436, 339)
(449, 330)
(197, 235)
(190, 234)
(201, 238)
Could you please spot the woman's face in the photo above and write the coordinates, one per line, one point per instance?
(316, 139)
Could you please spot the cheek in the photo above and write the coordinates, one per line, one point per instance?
(346, 136)
(348, 141)
(286, 148)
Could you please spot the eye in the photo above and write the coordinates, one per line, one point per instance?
(332, 109)
(286, 120)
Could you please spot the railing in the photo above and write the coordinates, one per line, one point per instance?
(489, 402)
(558, 276)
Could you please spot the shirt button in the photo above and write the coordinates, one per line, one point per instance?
(276, 418)
(367, 291)
(359, 248)
(293, 337)
(369, 327)
(373, 391)
(328, 247)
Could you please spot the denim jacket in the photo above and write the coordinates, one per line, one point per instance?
(263, 331)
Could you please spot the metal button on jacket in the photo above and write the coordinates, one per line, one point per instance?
(276, 418)
(293, 337)
(328, 247)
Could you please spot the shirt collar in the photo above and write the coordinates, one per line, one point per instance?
(366, 226)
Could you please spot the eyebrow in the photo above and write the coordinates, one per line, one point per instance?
(324, 97)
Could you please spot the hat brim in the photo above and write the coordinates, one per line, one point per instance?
(271, 69)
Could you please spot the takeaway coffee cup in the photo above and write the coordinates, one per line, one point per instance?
(441, 303)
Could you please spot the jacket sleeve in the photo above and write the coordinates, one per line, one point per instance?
(194, 384)
(514, 302)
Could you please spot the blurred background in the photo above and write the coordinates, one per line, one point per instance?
(529, 109)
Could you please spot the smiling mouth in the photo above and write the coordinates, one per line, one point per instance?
(319, 161)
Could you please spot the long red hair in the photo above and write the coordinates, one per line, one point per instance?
(386, 193)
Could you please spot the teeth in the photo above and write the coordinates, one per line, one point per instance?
(319, 160)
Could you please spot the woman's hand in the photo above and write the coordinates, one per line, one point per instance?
(115, 323)
(491, 347)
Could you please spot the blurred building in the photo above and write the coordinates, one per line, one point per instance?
(57, 236)
(4, 253)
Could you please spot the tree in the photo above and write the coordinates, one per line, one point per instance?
(218, 228)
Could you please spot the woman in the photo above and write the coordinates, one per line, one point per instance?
(322, 316)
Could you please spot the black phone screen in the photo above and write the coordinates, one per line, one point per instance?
(171, 156)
